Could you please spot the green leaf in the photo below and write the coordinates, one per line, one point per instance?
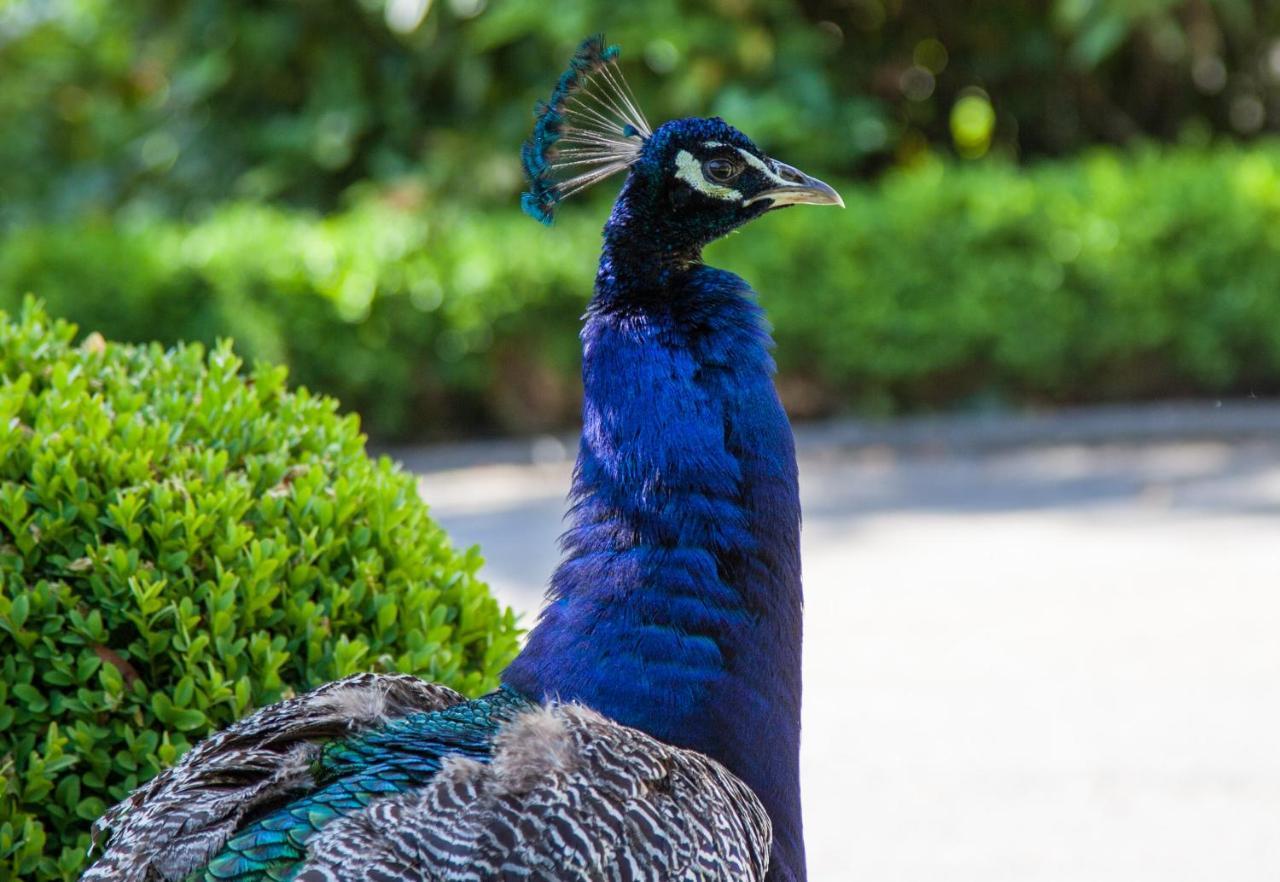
(19, 609)
(386, 616)
(187, 720)
(31, 697)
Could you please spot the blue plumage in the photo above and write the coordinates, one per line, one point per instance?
(676, 610)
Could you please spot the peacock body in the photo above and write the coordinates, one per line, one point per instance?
(649, 730)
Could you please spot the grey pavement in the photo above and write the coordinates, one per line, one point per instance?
(1037, 648)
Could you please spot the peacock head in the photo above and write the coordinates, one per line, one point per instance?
(690, 181)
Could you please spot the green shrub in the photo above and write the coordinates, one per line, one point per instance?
(1113, 275)
(180, 543)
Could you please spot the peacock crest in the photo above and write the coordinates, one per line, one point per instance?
(590, 128)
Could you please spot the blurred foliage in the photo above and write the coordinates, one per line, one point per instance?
(399, 309)
(171, 106)
(179, 544)
(1119, 274)
(328, 184)
(1115, 276)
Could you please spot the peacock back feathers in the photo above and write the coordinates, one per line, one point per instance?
(419, 785)
(350, 774)
(173, 825)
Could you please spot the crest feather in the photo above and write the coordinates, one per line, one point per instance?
(589, 129)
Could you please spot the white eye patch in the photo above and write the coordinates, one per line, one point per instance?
(761, 166)
(752, 160)
(689, 170)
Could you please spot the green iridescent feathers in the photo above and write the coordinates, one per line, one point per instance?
(351, 774)
(589, 129)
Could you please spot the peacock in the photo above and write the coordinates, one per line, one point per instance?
(650, 727)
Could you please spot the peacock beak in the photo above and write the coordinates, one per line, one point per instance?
(796, 188)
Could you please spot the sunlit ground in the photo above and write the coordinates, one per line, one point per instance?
(1049, 663)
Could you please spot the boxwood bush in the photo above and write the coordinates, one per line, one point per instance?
(1116, 274)
(181, 541)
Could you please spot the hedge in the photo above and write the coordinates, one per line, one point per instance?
(180, 542)
(1114, 275)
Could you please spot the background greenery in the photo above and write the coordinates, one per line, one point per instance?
(1049, 201)
(181, 543)
(1114, 276)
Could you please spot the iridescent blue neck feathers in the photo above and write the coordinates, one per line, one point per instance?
(677, 608)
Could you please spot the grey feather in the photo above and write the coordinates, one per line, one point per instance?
(176, 822)
(568, 796)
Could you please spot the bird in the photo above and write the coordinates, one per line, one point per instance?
(649, 729)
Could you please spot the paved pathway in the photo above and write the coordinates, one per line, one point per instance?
(1050, 662)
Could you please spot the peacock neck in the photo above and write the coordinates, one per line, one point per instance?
(677, 606)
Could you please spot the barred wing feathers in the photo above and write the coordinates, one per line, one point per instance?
(380, 778)
(568, 796)
(176, 822)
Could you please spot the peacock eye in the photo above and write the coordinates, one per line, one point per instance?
(721, 170)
